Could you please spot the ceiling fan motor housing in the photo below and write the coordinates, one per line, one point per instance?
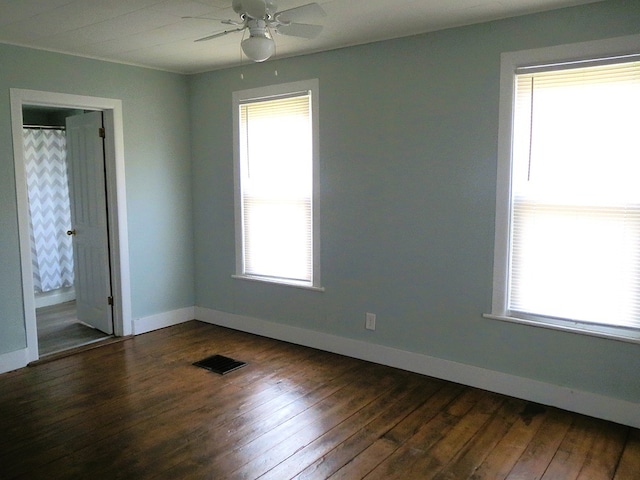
(243, 6)
(262, 20)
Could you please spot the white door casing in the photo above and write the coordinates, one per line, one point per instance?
(116, 199)
(89, 229)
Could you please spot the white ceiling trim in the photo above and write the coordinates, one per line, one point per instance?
(152, 33)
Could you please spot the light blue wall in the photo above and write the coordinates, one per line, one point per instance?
(158, 176)
(408, 134)
(408, 146)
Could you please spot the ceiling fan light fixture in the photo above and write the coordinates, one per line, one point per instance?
(258, 47)
(263, 21)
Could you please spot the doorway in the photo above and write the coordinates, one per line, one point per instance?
(71, 308)
(116, 259)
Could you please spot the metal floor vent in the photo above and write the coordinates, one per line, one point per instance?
(220, 364)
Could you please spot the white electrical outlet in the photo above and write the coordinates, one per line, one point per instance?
(370, 321)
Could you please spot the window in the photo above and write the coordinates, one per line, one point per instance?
(568, 216)
(276, 159)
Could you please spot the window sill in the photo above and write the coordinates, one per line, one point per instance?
(274, 281)
(612, 333)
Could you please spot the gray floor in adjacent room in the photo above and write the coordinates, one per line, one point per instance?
(59, 329)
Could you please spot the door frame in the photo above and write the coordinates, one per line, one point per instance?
(116, 203)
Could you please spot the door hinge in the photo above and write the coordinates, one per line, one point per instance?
(110, 300)
(101, 132)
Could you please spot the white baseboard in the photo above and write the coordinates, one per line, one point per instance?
(55, 297)
(161, 320)
(13, 360)
(587, 403)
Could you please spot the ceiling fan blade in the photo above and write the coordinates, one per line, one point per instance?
(255, 8)
(219, 34)
(224, 21)
(309, 11)
(302, 30)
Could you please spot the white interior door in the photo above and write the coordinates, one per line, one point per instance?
(87, 188)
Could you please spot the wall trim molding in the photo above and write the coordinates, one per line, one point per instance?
(14, 360)
(116, 202)
(587, 403)
(162, 320)
(55, 297)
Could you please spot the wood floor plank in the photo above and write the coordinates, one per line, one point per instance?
(323, 418)
(232, 389)
(333, 454)
(231, 409)
(501, 460)
(535, 460)
(267, 450)
(471, 456)
(140, 409)
(629, 464)
(431, 416)
(573, 451)
(237, 420)
(602, 458)
(425, 454)
(332, 438)
(89, 364)
(116, 393)
(71, 401)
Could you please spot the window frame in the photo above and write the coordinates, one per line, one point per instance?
(510, 63)
(271, 92)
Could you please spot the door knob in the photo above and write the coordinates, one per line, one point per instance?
(71, 232)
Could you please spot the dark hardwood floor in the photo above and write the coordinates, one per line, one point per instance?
(138, 409)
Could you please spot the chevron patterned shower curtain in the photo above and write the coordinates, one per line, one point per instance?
(51, 247)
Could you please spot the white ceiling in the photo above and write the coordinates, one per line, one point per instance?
(152, 33)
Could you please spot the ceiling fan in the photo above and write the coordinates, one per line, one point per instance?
(262, 20)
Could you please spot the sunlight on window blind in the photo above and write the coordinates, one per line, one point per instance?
(276, 161)
(575, 239)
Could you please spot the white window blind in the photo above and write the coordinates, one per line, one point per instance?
(575, 194)
(276, 176)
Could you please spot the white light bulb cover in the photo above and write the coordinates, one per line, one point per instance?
(258, 48)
